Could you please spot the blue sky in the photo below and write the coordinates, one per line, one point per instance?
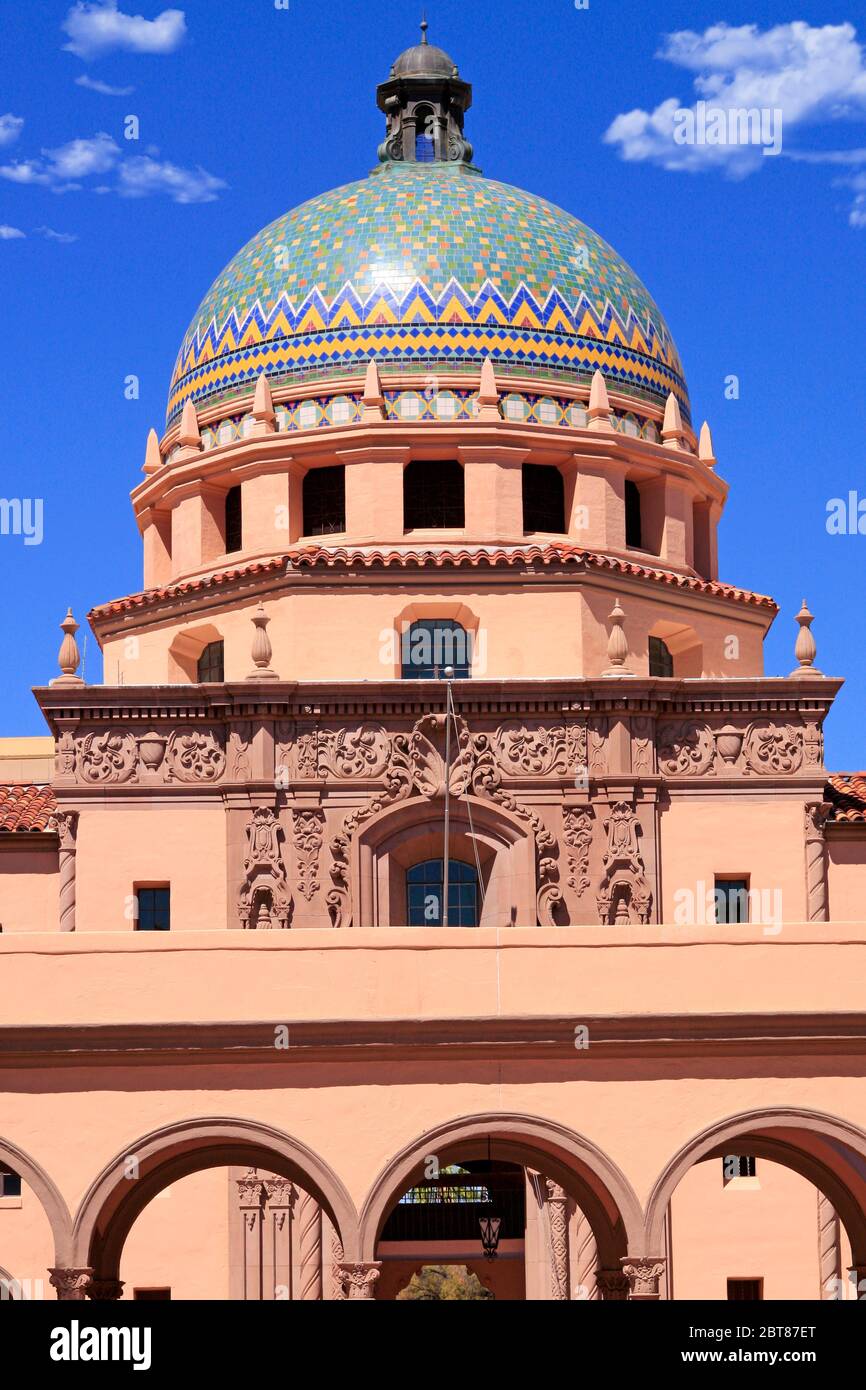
(244, 110)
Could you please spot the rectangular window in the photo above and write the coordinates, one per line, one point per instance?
(154, 909)
(10, 1185)
(745, 1290)
(151, 1294)
(633, 524)
(732, 900)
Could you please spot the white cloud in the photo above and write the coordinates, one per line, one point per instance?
(10, 233)
(93, 84)
(142, 175)
(100, 27)
(807, 74)
(50, 235)
(63, 170)
(10, 128)
(79, 158)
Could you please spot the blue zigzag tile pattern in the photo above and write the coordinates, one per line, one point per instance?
(422, 266)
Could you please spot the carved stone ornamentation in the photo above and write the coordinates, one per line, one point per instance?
(540, 752)
(264, 900)
(556, 1202)
(597, 744)
(64, 757)
(105, 1290)
(815, 818)
(65, 826)
(577, 832)
(623, 889)
(829, 1248)
(486, 780)
(772, 750)
(612, 1285)
(194, 755)
(585, 1260)
(284, 744)
(361, 752)
(109, 757)
(307, 748)
(71, 1284)
(813, 744)
(685, 749)
(338, 1288)
(642, 745)
(309, 1227)
(307, 833)
(643, 1274)
(399, 783)
(427, 751)
(240, 737)
(359, 1279)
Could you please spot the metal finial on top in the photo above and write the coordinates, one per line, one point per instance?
(424, 27)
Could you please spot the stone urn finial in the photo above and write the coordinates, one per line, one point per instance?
(69, 657)
(262, 650)
(804, 648)
(617, 645)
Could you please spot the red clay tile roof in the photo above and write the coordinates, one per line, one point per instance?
(846, 791)
(429, 557)
(25, 807)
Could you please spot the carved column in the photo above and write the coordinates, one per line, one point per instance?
(65, 823)
(556, 1202)
(251, 1191)
(584, 1259)
(277, 1242)
(71, 1284)
(359, 1279)
(309, 1247)
(612, 1284)
(816, 861)
(643, 1273)
(829, 1248)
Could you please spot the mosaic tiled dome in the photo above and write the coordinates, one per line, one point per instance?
(425, 268)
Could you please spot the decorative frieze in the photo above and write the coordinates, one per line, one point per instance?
(763, 748)
(194, 755)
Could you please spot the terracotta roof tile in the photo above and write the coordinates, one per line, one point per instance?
(846, 791)
(428, 557)
(25, 807)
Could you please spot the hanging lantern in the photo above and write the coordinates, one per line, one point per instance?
(490, 1235)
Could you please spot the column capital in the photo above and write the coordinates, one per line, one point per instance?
(359, 1279)
(71, 1284)
(643, 1273)
(612, 1285)
(105, 1290)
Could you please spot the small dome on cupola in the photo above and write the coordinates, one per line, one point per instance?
(424, 60)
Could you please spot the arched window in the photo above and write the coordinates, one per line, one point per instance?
(211, 664)
(433, 495)
(425, 889)
(425, 139)
(234, 520)
(325, 501)
(543, 498)
(633, 527)
(432, 644)
(661, 663)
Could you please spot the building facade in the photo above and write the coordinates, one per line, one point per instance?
(436, 877)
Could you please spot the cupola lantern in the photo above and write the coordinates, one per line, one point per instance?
(424, 101)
